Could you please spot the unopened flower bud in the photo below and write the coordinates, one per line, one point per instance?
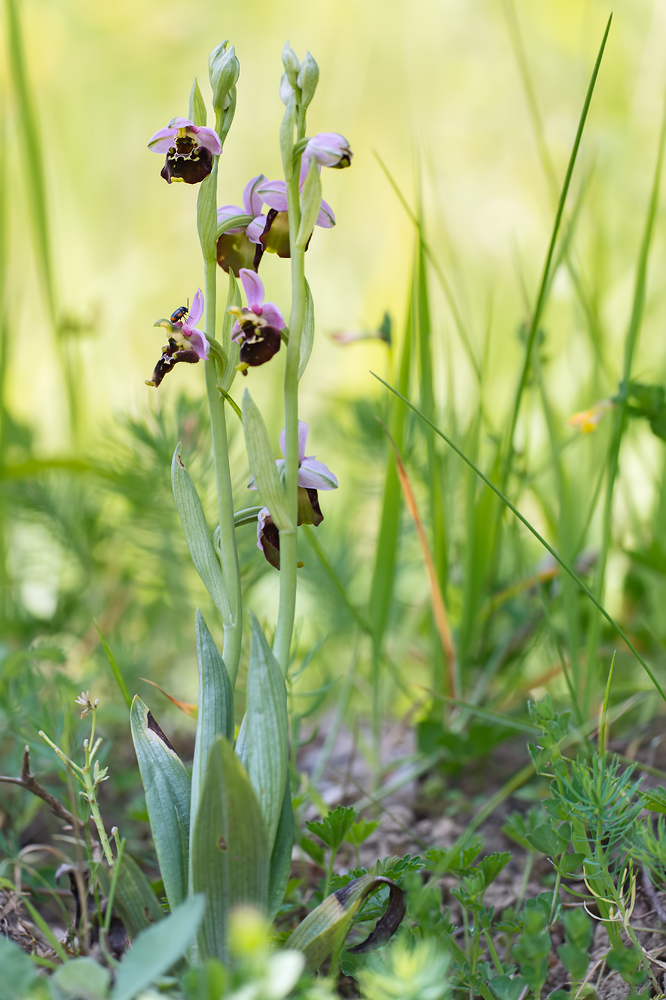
(286, 89)
(329, 149)
(291, 64)
(308, 78)
(224, 70)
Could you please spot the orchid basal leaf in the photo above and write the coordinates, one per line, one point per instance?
(307, 335)
(216, 705)
(167, 787)
(326, 927)
(281, 856)
(262, 463)
(157, 949)
(267, 730)
(230, 857)
(134, 900)
(198, 537)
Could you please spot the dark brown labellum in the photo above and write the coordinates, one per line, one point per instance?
(261, 343)
(170, 357)
(187, 162)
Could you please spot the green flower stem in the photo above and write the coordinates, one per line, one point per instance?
(288, 540)
(85, 776)
(218, 428)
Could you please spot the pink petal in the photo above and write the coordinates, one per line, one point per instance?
(305, 166)
(236, 333)
(303, 430)
(196, 310)
(272, 315)
(274, 194)
(314, 475)
(251, 200)
(162, 141)
(197, 341)
(255, 230)
(209, 139)
(183, 123)
(254, 289)
(229, 212)
(326, 217)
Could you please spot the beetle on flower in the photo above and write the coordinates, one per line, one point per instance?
(186, 342)
(189, 150)
(258, 327)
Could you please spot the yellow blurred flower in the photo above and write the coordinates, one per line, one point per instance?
(587, 421)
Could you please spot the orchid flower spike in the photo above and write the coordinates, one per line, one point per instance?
(329, 149)
(241, 246)
(189, 150)
(186, 342)
(258, 327)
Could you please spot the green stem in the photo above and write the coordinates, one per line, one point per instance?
(288, 540)
(225, 504)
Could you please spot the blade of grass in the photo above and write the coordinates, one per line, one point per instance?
(441, 277)
(545, 276)
(115, 669)
(620, 412)
(438, 607)
(574, 576)
(603, 714)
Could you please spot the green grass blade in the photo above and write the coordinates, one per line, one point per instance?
(574, 576)
(32, 160)
(441, 277)
(115, 669)
(545, 276)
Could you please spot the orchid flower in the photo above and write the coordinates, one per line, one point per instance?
(186, 342)
(237, 247)
(312, 476)
(329, 149)
(189, 150)
(272, 230)
(258, 326)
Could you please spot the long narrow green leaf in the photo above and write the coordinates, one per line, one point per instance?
(574, 576)
(281, 856)
(381, 589)
(115, 669)
(325, 928)
(230, 857)
(262, 463)
(168, 788)
(198, 537)
(134, 900)
(546, 272)
(157, 949)
(267, 732)
(230, 347)
(216, 707)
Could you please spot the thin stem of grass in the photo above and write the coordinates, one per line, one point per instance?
(545, 276)
(574, 576)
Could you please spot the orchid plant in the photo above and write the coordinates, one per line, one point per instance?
(224, 835)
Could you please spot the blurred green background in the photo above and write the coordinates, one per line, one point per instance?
(434, 88)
